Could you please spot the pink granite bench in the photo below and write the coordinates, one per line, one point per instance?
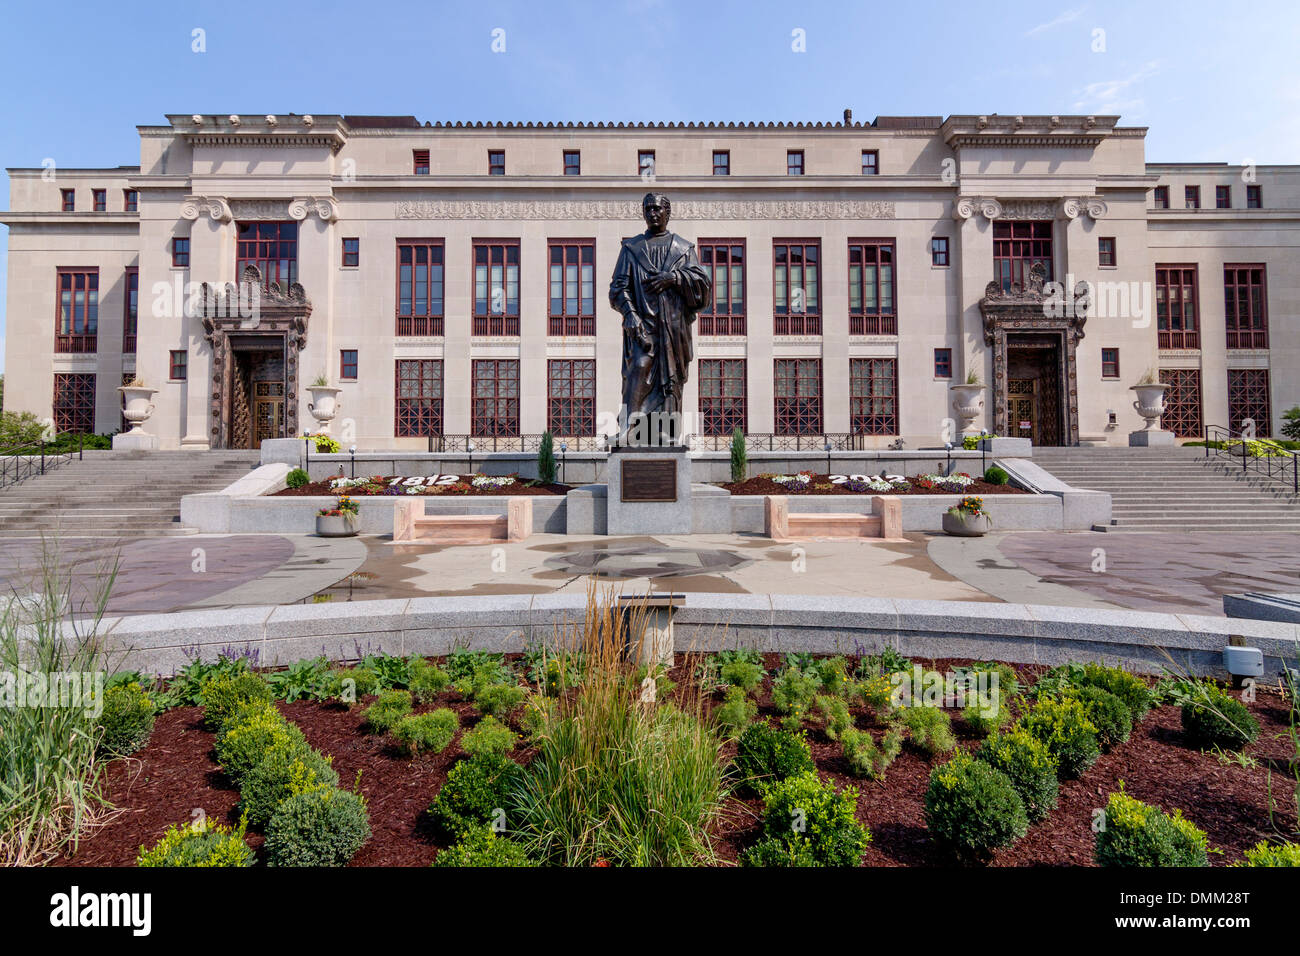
(411, 524)
(885, 521)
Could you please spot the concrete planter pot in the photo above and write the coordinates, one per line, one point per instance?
(966, 525)
(335, 526)
(138, 406)
(1150, 404)
(324, 404)
(968, 402)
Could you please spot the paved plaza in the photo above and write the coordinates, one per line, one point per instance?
(1157, 572)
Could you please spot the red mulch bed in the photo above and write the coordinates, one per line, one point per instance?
(758, 485)
(463, 489)
(175, 774)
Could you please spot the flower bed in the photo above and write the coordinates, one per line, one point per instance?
(1225, 793)
(419, 485)
(811, 483)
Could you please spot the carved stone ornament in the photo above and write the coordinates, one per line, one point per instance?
(964, 207)
(1091, 206)
(628, 209)
(217, 209)
(323, 206)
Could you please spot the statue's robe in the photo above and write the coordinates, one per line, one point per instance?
(653, 377)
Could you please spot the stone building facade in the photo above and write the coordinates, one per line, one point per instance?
(451, 279)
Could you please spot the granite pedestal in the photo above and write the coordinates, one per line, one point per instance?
(640, 499)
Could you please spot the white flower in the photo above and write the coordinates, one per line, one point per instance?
(490, 481)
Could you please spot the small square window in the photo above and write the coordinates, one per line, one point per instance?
(351, 253)
(1162, 197)
(722, 162)
(572, 162)
(645, 164)
(1222, 197)
(69, 199)
(178, 365)
(1106, 252)
(1254, 197)
(348, 364)
(794, 162)
(1110, 363)
(870, 162)
(420, 160)
(939, 251)
(943, 363)
(130, 201)
(101, 199)
(496, 162)
(180, 252)
(1192, 197)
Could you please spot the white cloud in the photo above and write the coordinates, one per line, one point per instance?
(1116, 96)
(1069, 16)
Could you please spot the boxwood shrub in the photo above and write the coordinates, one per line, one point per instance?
(1109, 714)
(766, 754)
(288, 768)
(126, 720)
(481, 847)
(1272, 854)
(1029, 766)
(1214, 718)
(1136, 834)
(489, 736)
(323, 826)
(817, 824)
(383, 715)
(973, 808)
(223, 693)
(1062, 724)
(190, 845)
(247, 736)
(474, 789)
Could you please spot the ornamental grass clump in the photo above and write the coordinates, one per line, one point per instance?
(617, 776)
(1134, 834)
(865, 757)
(929, 729)
(736, 712)
(973, 808)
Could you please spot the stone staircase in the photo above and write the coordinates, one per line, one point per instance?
(117, 493)
(1174, 489)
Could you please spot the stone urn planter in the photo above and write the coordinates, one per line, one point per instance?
(1150, 403)
(324, 404)
(335, 526)
(966, 525)
(968, 402)
(138, 406)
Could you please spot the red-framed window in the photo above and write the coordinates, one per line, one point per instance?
(871, 287)
(798, 396)
(418, 409)
(724, 260)
(572, 162)
(1182, 402)
(76, 319)
(1248, 398)
(1106, 258)
(496, 162)
(723, 402)
(272, 247)
(1110, 363)
(939, 251)
(943, 363)
(1254, 197)
(495, 409)
(796, 286)
(131, 309)
(1222, 197)
(1161, 197)
(419, 286)
(130, 200)
(572, 287)
(178, 361)
(571, 397)
(645, 163)
(420, 162)
(722, 162)
(496, 287)
(74, 403)
(1017, 246)
(68, 198)
(100, 199)
(351, 253)
(180, 252)
(348, 365)
(1177, 307)
(1192, 197)
(870, 162)
(1245, 303)
(873, 396)
(794, 162)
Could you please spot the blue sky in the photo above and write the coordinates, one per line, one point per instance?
(1213, 81)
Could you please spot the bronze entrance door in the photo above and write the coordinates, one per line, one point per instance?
(1022, 410)
(268, 411)
(1035, 401)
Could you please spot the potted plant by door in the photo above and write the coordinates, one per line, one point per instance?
(324, 404)
(339, 521)
(967, 518)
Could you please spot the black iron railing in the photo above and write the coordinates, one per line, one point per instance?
(1277, 464)
(20, 462)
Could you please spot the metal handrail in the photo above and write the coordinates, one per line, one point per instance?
(20, 462)
(1274, 466)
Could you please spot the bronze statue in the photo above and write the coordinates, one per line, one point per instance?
(658, 286)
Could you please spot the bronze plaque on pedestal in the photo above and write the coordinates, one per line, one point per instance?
(649, 479)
